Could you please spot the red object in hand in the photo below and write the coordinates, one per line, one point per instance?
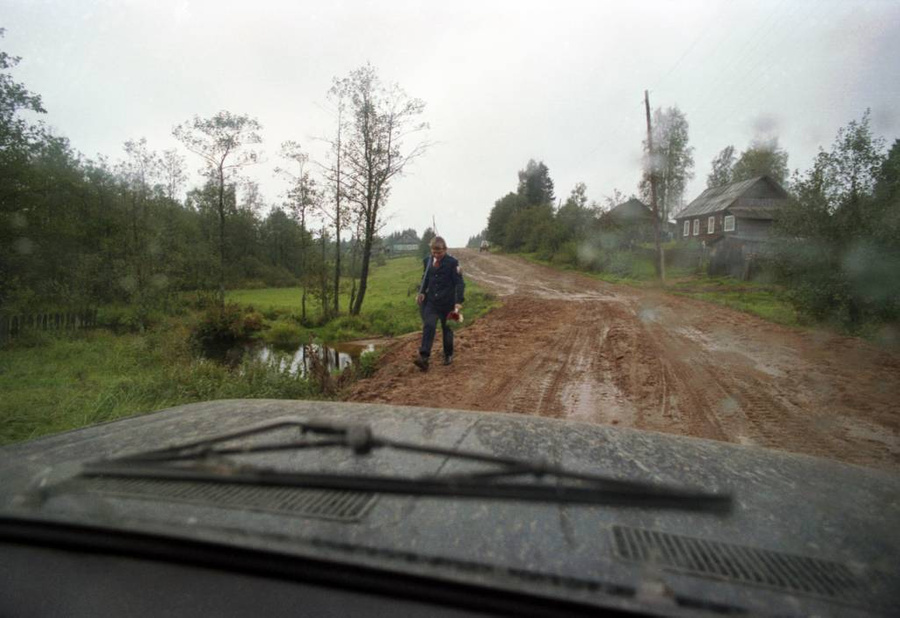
(456, 316)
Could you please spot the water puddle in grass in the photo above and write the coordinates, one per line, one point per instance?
(335, 356)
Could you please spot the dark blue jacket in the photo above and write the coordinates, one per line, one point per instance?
(443, 287)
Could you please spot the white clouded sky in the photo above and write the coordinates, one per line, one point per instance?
(558, 81)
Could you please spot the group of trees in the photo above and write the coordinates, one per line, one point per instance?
(75, 231)
(837, 243)
(761, 158)
(838, 246)
(572, 231)
(521, 220)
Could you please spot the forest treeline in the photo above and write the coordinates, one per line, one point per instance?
(78, 232)
(835, 247)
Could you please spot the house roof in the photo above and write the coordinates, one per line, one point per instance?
(756, 208)
(735, 195)
(632, 210)
(405, 239)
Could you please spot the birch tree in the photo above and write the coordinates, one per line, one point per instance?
(302, 196)
(222, 142)
(672, 160)
(380, 121)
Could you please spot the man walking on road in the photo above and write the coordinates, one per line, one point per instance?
(441, 292)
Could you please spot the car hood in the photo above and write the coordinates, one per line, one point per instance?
(806, 535)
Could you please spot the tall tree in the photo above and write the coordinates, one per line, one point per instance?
(380, 120)
(15, 132)
(303, 197)
(425, 242)
(578, 197)
(334, 176)
(139, 170)
(833, 250)
(535, 184)
(762, 158)
(18, 142)
(221, 141)
(672, 161)
(500, 217)
(722, 168)
(574, 217)
(173, 176)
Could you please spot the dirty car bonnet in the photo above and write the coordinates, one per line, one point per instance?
(763, 557)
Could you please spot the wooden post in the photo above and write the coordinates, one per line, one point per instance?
(659, 252)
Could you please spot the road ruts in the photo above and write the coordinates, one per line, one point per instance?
(567, 346)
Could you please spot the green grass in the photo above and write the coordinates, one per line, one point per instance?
(73, 380)
(642, 275)
(52, 383)
(389, 308)
(764, 300)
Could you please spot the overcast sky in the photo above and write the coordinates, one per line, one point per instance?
(503, 82)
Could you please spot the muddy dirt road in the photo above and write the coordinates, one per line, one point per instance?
(566, 346)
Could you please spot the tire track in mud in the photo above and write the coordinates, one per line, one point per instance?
(564, 345)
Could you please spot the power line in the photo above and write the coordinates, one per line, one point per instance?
(756, 71)
(750, 44)
(703, 32)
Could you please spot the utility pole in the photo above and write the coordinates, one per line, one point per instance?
(659, 252)
(434, 226)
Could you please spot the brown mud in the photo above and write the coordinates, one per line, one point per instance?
(567, 346)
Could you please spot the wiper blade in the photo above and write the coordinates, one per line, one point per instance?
(200, 461)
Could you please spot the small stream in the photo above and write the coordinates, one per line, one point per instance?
(337, 356)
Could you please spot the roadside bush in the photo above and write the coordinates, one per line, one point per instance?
(620, 263)
(127, 319)
(253, 321)
(368, 364)
(225, 325)
(567, 255)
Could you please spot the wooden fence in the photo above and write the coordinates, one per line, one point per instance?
(13, 325)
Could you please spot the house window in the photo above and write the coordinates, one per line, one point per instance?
(729, 223)
(696, 227)
(687, 228)
(711, 226)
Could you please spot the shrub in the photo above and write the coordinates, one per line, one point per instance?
(220, 326)
(253, 321)
(286, 335)
(368, 363)
(120, 319)
(567, 254)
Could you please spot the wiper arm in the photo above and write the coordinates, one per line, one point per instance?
(567, 486)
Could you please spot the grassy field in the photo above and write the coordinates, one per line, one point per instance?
(764, 300)
(55, 382)
(389, 308)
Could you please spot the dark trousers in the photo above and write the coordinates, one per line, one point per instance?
(430, 317)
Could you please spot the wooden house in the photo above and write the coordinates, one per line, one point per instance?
(733, 222)
(631, 220)
(405, 243)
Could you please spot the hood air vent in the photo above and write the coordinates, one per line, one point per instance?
(749, 565)
(339, 505)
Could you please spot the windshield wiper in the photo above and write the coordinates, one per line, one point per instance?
(203, 461)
